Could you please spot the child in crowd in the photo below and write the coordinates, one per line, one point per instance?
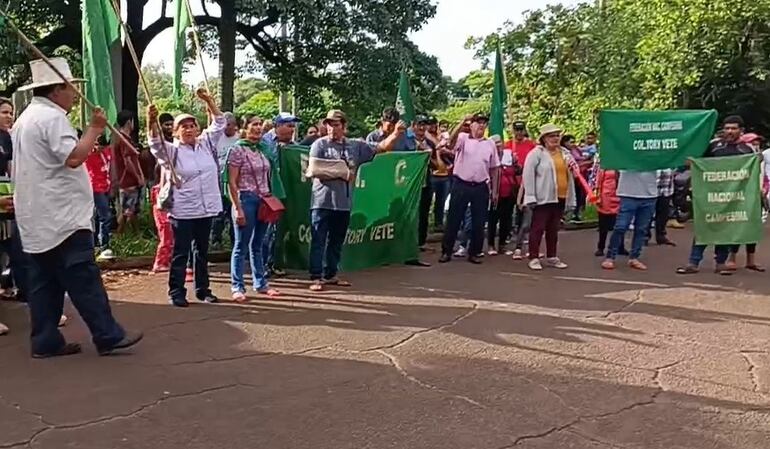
(526, 221)
(607, 207)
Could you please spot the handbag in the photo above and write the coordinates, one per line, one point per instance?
(270, 209)
(165, 200)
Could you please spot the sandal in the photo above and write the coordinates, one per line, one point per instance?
(689, 269)
(271, 292)
(637, 265)
(757, 268)
(240, 297)
(316, 286)
(337, 282)
(723, 271)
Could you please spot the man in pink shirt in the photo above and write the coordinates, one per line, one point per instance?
(475, 182)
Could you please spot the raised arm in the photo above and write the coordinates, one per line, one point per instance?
(389, 142)
(78, 155)
(156, 142)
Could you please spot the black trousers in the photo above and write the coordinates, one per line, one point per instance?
(606, 226)
(69, 268)
(190, 235)
(424, 212)
(464, 194)
(502, 213)
(662, 215)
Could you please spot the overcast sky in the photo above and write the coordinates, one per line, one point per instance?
(443, 36)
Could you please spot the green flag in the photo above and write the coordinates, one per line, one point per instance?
(653, 140)
(383, 221)
(726, 200)
(181, 23)
(499, 99)
(101, 29)
(404, 102)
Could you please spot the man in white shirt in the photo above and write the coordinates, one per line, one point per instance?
(224, 144)
(54, 206)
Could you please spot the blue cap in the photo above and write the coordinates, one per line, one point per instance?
(284, 118)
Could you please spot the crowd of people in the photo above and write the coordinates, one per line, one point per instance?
(203, 180)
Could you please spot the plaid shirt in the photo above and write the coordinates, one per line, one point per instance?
(665, 182)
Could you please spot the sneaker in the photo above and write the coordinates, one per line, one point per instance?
(637, 265)
(461, 252)
(107, 254)
(608, 264)
(492, 252)
(239, 297)
(535, 265)
(209, 299)
(508, 252)
(179, 302)
(129, 340)
(517, 255)
(674, 224)
(555, 262)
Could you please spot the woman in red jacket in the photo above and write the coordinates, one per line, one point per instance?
(608, 205)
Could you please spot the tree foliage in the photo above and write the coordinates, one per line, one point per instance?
(340, 53)
(564, 64)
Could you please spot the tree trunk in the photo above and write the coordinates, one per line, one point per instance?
(227, 32)
(130, 77)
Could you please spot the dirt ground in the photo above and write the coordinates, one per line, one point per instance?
(455, 356)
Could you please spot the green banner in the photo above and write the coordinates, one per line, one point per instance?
(726, 200)
(653, 140)
(383, 222)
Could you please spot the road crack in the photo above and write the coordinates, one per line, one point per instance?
(403, 372)
(420, 332)
(136, 412)
(752, 372)
(638, 298)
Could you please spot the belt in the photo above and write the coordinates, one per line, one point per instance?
(470, 183)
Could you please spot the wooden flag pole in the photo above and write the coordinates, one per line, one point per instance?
(138, 66)
(197, 42)
(36, 51)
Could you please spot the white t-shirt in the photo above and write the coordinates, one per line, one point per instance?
(766, 160)
(52, 201)
(224, 144)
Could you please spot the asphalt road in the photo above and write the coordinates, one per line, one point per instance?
(450, 357)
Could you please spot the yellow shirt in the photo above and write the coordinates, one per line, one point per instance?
(562, 176)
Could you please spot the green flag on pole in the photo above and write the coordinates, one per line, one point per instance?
(181, 23)
(101, 30)
(404, 102)
(499, 99)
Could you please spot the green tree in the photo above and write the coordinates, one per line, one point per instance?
(566, 63)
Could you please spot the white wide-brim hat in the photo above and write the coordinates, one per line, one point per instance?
(43, 75)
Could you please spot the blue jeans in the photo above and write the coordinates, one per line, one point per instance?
(248, 240)
(102, 220)
(638, 210)
(440, 186)
(190, 235)
(720, 254)
(268, 245)
(327, 234)
(69, 268)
